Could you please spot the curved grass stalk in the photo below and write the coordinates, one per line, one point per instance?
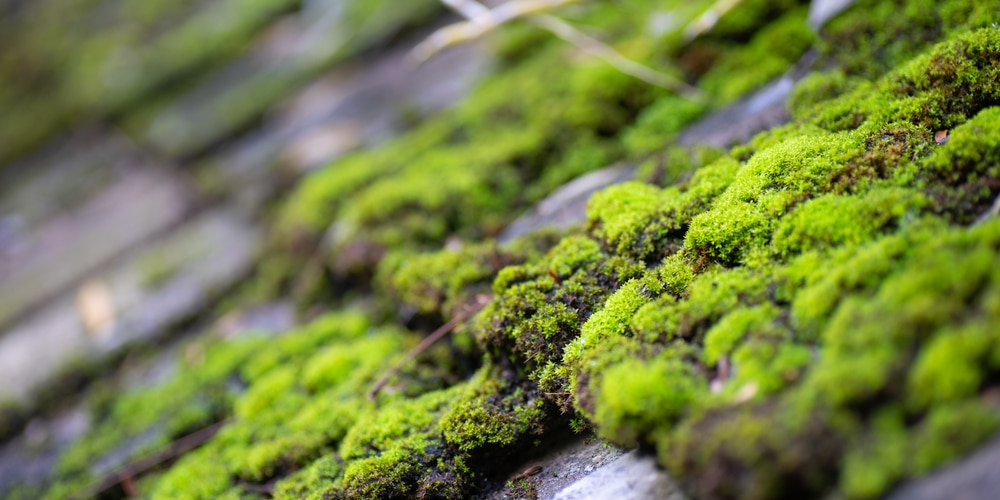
(481, 20)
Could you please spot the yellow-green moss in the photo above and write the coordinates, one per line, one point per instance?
(809, 315)
(637, 397)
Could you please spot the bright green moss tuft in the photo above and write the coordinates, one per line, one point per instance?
(830, 220)
(671, 277)
(491, 415)
(541, 307)
(613, 319)
(636, 397)
(381, 428)
(388, 475)
(621, 213)
(764, 189)
(439, 282)
(726, 334)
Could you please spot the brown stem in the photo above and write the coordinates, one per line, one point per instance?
(127, 475)
(438, 334)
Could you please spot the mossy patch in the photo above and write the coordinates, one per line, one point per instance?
(811, 314)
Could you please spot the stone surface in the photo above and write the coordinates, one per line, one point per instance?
(562, 464)
(292, 51)
(587, 468)
(145, 294)
(971, 478)
(58, 251)
(821, 11)
(567, 206)
(739, 122)
(29, 457)
(630, 477)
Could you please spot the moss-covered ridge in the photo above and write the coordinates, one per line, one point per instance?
(547, 117)
(809, 314)
(838, 328)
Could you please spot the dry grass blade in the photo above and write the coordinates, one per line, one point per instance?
(482, 20)
(707, 19)
(596, 48)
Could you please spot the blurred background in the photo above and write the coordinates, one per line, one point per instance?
(142, 142)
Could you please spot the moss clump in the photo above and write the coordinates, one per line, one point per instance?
(831, 220)
(540, 307)
(963, 176)
(635, 398)
(873, 37)
(443, 282)
(648, 224)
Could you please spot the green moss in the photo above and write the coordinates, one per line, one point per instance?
(440, 282)
(808, 315)
(878, 458)
(612, 320)
(819, 87)
(874, 37)
(636, 397)
(949, 367)
(831, 220)
(729, 331)
(640, 221)
(672, 276)
(962, 176)
(765, 189)
(771, 52)
(383, 427)
(387, 475)
(210, 481)
(540, 308)
(491, 414)
(312, 482)
(621, 213)
(761, 451)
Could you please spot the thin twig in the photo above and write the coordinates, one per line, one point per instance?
(482, 20)
(435, 336)
(596, 48)
(707, 19)
(126, 475)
